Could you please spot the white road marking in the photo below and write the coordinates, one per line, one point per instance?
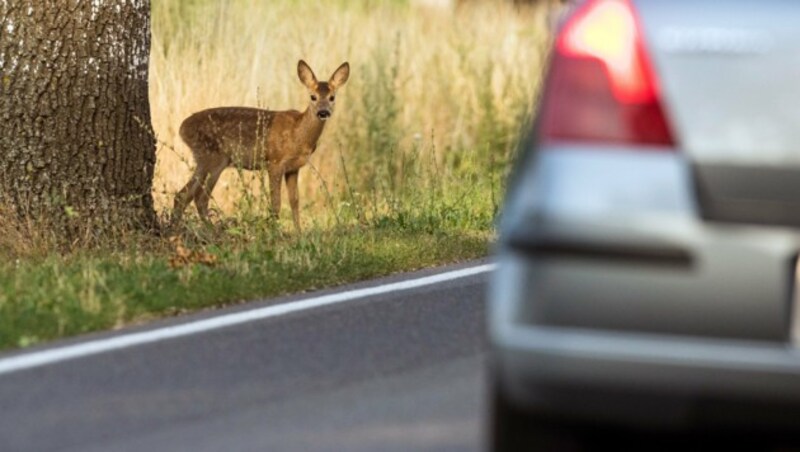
(45, 357)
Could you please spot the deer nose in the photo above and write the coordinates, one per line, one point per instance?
(323, 114)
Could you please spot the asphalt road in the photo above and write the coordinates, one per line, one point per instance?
(402, 371)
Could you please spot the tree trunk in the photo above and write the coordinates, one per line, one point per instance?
(76, 142)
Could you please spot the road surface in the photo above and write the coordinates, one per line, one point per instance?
(400, 370)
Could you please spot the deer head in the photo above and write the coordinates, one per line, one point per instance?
(322, 95)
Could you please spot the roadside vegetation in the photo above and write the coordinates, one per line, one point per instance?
(409, 172)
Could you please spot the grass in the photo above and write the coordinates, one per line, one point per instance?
(50, 298)
(409, 172)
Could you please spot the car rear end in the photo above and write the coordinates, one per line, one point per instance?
(648, 246)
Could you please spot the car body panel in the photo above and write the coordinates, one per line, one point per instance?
(612, 240)
(728, 73)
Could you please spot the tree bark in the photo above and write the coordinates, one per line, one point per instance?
(76, 142)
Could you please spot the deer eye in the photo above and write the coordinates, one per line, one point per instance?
(332, 98)
(314, 98)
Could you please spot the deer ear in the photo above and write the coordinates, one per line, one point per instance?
(340, 76)
(306, 75)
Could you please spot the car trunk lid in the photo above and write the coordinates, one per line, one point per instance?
(730, 81)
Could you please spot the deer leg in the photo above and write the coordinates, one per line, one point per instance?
(203, 196)
(294, 198)
(275, 176)
(188, 193)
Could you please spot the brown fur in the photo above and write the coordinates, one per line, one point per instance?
(279, 141)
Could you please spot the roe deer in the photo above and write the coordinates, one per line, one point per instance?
(253, 138)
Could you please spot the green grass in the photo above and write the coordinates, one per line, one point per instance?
(134, 277)
(54, 297)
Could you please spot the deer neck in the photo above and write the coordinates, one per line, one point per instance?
(310, 128)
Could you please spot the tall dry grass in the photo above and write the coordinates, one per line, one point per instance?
(447, 88)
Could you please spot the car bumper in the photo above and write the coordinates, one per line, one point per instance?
(640, 379)
(680, 365)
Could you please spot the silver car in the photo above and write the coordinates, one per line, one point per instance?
(647, 260)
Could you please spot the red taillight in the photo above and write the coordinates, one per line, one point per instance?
(601, 86)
